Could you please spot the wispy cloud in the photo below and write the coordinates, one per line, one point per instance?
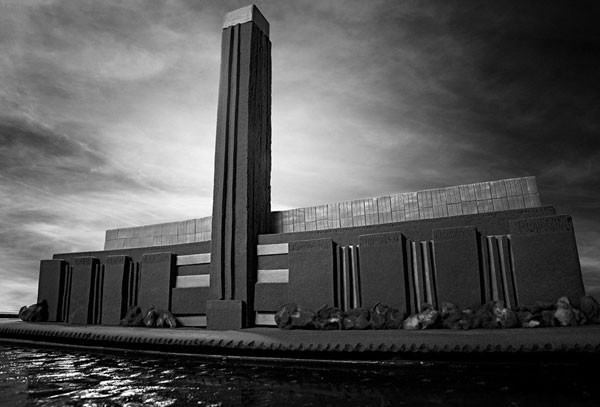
(109, 111)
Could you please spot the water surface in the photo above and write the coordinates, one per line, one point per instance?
(50, 377)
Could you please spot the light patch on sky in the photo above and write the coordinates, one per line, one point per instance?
(108, 111)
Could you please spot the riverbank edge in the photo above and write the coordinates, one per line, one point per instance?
(571, 344)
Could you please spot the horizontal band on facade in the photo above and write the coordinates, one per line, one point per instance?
(271, 249)
(273, 276)
(199, 280)
(189, 259)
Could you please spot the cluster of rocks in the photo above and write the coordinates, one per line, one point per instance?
(152, 318)
(291, 316)
(491, 315)
(563, 313)
(35, 313)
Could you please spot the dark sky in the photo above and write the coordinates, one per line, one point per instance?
(108, 111)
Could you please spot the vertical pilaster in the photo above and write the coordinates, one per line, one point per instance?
(546, 262)
(457, 272)
(51, 287)
(84, 291)
(116, 287)
(242, 192)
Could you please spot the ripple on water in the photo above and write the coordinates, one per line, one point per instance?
(41, 377)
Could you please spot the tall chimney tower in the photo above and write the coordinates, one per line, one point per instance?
(242, 184)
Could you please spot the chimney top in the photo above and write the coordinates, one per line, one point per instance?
(245, 14)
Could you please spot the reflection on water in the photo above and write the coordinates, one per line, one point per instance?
(45, 377)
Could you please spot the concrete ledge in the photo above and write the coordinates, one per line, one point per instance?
(576, 343)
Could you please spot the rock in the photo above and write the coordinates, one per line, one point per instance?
(447, 309)
(548, 318)
(165, 320)
(150, 317)
(357, 318)
(455, 318)
(542, 306)
(486, 315)
(451, 318)
(379, 316)
(302, 319)
(564, 312)
(394, 319)
(328, 318)
(523, 308)
(580, 317)
(531, 324)
(35, 313)
(153, 318)
(590, 307)
(524, 316)
(493, 315)
(468, 319)
(530, 316)
(507, 318)
(362, 322)
(283, 316)
(133, 317)
(412, 322)
(429, 317)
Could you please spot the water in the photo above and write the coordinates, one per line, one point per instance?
(50, 377)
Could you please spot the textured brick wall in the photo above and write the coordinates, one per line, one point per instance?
(187, 231)
(482, 197)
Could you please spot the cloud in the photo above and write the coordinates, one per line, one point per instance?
(33, 154)
(109, 109)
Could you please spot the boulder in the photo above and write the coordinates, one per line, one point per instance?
(394, 319)
(564, 312)
(150, 317)
(165, 320)
(283, 316)
(467, 320)
(548, 318)
(494, 314)
(486, 315)
(357, 318)
(379, 316)
(590, 307)
(429, 317)
(303, 319)
(533, 323)
(524, 316)
(329, 318)
(412, 322)
(133, 317)
(541, 306)
(35, 313)
(507, 318)
(580, 317)
(530, 316)
(451, 318)
(447, 309)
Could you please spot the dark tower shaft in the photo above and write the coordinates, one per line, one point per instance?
(242, 192)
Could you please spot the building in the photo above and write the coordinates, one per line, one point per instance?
(465, 244)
